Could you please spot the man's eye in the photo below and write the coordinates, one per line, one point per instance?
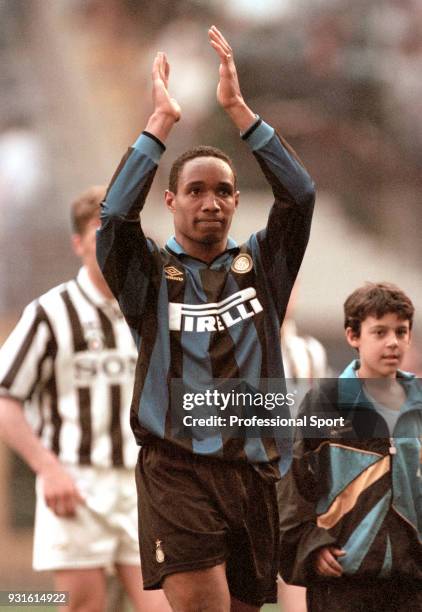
(195, 191)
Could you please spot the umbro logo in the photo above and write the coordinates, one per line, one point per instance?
(173, 273)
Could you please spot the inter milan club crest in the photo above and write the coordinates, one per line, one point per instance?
(242, 263)
(159, 552)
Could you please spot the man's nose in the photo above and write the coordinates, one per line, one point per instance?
(210, 202)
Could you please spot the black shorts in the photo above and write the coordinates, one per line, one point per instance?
(196, 512)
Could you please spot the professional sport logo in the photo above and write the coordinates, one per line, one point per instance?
(242, 263)
(216, 316)
(172, 273)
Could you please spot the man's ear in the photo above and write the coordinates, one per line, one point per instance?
(169, 198)
(352, 338)
(236, 198)
(76, 244)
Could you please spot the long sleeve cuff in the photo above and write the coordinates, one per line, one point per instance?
(258, 135)
(150, 145)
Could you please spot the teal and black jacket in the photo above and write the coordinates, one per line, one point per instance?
(354, 490)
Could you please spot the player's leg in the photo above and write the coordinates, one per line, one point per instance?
(182, 533)
(87, 589)
(204, 590)
(142, 601)
(66, 546)
(77, 548)
(252, 562)
(124, 522)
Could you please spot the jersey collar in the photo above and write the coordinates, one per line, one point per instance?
(173, 246)
(92, 293)
(350, 387)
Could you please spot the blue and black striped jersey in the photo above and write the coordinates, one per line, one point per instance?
(194, 321)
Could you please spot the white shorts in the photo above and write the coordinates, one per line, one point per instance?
(104, 530)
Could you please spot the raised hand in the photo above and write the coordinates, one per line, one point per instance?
(163, 103)
(229, 94)
(166, 109)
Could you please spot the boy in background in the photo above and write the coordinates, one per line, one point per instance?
(351, 517)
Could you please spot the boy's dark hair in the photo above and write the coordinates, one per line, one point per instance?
(86, 207)
(376, 299)
(201, 151)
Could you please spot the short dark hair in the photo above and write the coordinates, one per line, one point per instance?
(376, 299)
(201, 151)
(86, 207)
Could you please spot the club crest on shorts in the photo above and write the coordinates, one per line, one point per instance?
(159, 552)
(242, 263)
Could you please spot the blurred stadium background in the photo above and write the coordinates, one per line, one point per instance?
(340, 79)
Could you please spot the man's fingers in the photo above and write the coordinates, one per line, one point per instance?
(65, 507)
(160, 67)
(166, 69)
(65, 503)
(59, 506)
(220, 44)
(156, 67)
(222, 54)
(164, 66)
(217, 36)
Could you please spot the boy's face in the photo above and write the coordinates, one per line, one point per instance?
(382, 344)
(205, 201)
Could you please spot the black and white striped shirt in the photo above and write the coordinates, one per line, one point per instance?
(71, 360)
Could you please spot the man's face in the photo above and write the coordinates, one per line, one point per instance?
(205, 201)
(84, 246)
(382, 345)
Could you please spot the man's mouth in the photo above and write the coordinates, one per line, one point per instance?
(209, 222)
